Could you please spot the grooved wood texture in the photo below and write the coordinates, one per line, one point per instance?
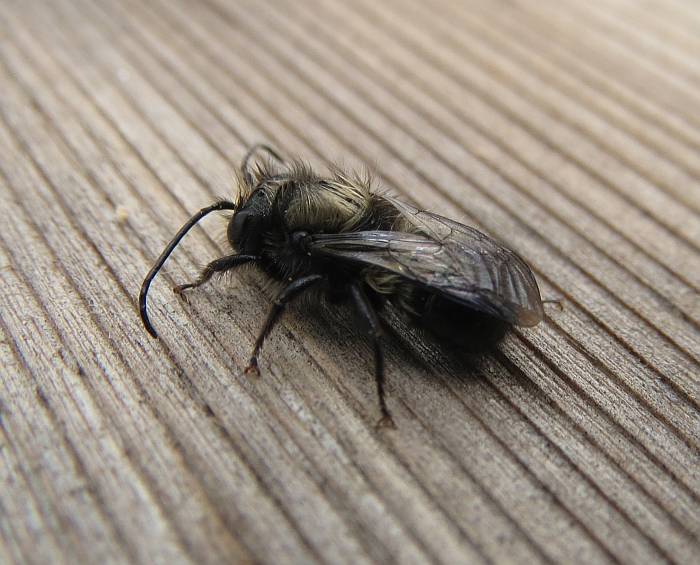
(569, 130)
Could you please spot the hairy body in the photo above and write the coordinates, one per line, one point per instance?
(334, 234)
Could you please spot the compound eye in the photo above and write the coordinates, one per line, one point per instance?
(237, 226)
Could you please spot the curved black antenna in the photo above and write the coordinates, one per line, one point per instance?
(247, 175)
(222, 205)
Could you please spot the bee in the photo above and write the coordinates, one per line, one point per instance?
(336, 239)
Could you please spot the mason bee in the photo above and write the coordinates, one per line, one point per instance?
(336, 237)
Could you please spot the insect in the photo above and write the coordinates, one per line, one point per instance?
(334, 238)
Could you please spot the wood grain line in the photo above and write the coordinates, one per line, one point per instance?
(617, 59)
(57, 541)
(663, 53)
(676, 164)
(657, 23)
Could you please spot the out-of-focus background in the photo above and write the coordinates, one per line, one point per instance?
(569, 130)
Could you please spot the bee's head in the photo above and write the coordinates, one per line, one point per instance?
(259, 184)
(246, 227)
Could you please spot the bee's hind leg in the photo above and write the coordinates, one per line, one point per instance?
(368, 313)
(288, 293)
(217, 266)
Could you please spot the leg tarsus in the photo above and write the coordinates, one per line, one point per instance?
(178, 289)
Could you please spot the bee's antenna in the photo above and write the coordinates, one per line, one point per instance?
(247, 175)
(221, 205)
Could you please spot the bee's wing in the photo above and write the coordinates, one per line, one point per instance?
(452, 259)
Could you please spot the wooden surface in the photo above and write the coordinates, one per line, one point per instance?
(569, 130)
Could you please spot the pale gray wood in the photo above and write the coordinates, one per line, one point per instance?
(562, 128)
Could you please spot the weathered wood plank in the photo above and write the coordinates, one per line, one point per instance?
(562, 128)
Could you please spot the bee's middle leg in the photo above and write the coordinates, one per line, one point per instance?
(288, 293)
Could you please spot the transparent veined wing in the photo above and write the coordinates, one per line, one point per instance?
(450, 258)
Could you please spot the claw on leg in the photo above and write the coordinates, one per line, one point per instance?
(386, 422)
(179, 290)
(252, 369)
